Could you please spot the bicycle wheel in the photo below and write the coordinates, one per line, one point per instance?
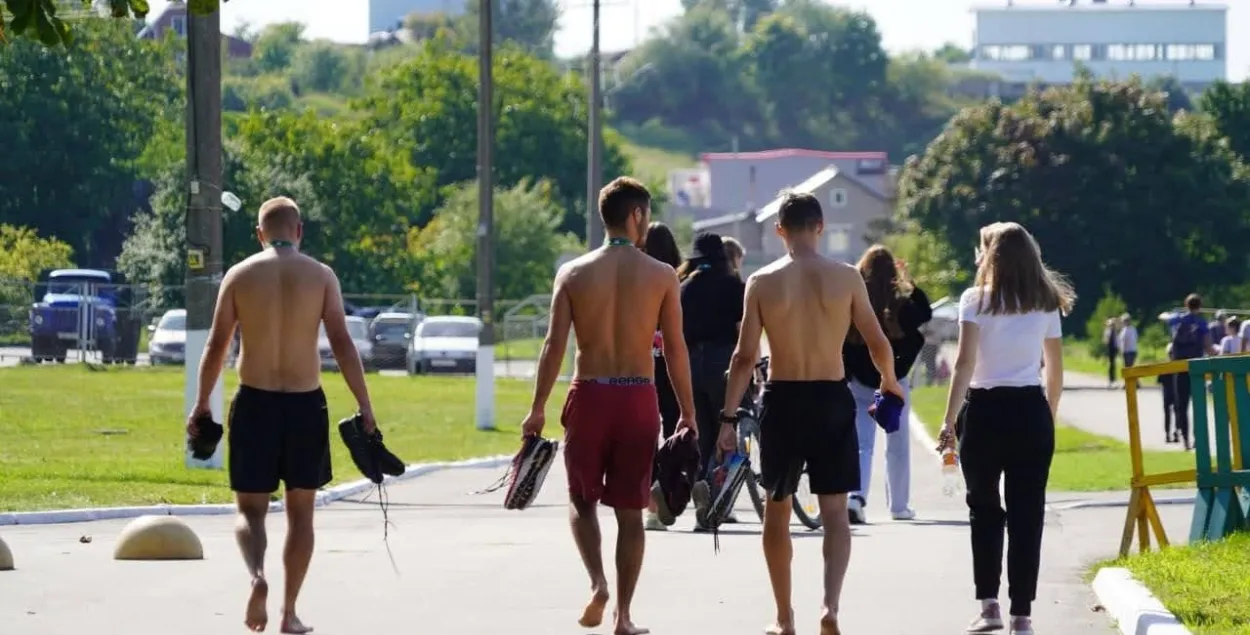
(806, 506)
(749, 445)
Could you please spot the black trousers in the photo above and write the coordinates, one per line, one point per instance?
(1006, 433)
(1181, 397)
(670, 411)
(708, 363)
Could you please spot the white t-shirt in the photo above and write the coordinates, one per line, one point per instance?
(1245, 332)
(1230, 345)
(1009, 351)
(1128, 339)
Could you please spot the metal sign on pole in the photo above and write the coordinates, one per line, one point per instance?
(485, 371)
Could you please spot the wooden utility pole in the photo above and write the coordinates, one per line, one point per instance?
(485, 372)
(204, 190)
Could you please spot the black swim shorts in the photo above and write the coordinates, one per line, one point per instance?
(278, 436)
(808, 424)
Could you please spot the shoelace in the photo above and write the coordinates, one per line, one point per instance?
(384, 502)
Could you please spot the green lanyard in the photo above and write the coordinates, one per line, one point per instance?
(281, 243)
(620, 242)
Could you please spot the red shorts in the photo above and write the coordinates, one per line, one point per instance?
(611, 432)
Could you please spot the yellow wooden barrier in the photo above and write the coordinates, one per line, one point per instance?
(1143, 516)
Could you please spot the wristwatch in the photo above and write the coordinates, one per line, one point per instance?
(729, 419)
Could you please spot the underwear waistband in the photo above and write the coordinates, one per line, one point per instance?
(615, 381)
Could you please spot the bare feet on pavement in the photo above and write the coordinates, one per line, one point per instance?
(829, 623)
(291, 624)
(592, 616)
(257, 617)
(625, 626)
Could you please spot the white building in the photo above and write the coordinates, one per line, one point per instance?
(1026, 43)
(387, 15)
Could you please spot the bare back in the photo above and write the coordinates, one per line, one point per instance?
(805, 308)
(279, 298)
(615, 295)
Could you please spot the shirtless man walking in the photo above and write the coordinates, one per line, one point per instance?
(806, 303)
(279, 428)
(613, 297)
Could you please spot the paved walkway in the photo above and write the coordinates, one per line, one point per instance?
(1089, 405)
(467, 566)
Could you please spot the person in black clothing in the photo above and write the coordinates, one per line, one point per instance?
(711, 304)
(902, 309)
(661, 245)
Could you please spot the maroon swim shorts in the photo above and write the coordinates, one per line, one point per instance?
(611, 432)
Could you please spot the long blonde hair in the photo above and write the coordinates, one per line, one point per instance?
(888, 290)
(1016, 279)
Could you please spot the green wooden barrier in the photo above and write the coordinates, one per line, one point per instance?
(1223, 502)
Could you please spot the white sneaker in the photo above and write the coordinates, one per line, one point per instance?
(855, 508)
(653, 523)
(906, 514)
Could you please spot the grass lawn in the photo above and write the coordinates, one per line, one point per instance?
(1083, 462)
(1077, 358)
(652, 165)
(1206, 584)
(527, 348)
(73, 437)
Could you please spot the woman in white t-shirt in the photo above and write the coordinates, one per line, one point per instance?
(1001, 417)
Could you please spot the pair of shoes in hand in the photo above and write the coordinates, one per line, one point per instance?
(367, 450)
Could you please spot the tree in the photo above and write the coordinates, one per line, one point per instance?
(529, 24)
(1228, 106)
(276, 45)
(951, 53)
(24, 253)
(427, 106)
(1174, 92)
(327, 67)
(527, 238)
(74, 125)
(1102, 178)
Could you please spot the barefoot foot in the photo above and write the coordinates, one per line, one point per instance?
(592, 615)
(291, 624)
(829, 626)
(257, 616)
(626, 627)
(780, 629)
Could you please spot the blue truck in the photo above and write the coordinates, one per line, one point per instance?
(89, 309)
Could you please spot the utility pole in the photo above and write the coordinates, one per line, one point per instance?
(204, 193)
(594, 136)
(485, 372)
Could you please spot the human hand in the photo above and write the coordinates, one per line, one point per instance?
(726, 440)
(891, 385)
(199, 410)
(532, 425)
(946, 438)
(688, 423)
(367, 421)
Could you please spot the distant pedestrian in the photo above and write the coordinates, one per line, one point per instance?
(736, 253)
(1110, 340)
(1128, 340)
(1191, 339)
(1245, 336)
(1230, 344)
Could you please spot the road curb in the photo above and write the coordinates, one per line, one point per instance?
(324, 497)
(1135, 609)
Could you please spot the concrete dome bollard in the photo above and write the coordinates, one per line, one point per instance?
(158, 538)
(6, 557)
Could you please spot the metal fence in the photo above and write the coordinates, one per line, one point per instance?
(53, 322)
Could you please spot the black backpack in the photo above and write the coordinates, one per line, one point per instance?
(1187, 339)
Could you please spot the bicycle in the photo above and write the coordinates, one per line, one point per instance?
(806, 507)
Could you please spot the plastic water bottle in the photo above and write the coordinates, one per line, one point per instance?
(951, 478)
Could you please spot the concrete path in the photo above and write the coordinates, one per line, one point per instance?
(1088, 404)
(467, 566)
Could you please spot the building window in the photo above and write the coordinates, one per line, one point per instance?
(1082, 52)
(1005, 53)
(837, 197)
(1059, 52)
(1189, 52)
(838, 239)
(179, 24)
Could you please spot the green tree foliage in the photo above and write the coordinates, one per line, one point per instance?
(1109, 306)
(275, 47)
(328, 68)
(527, 237)
(428, 106)
(1228, 106)
(529, 24)
(74, 125)
(24, 253)
(1104, 180)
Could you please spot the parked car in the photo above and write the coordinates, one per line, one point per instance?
(445, 343)
(358, 328)
(88, 309)
(391, 333)
(167, 339)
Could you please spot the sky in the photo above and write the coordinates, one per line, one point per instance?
(904, 24)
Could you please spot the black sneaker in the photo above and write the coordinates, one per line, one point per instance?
(368, 452)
